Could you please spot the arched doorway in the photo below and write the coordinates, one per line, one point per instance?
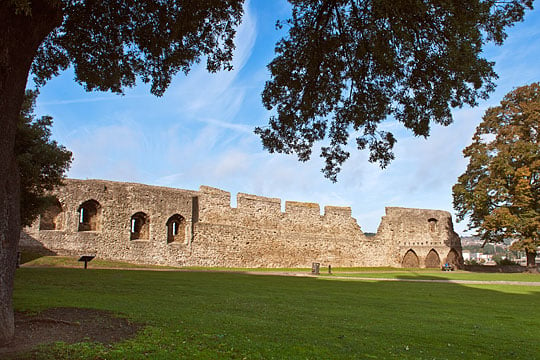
(433, 260)
(140, 227)
(410, 260)
(89, 216)
(453, 258)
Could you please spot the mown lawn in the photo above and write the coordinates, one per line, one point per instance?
(69, 261)
(205, 315)
(441, 275)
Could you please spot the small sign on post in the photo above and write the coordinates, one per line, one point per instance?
(86, 259)
(315, 268)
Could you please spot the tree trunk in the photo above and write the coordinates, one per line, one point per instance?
(531, 259)
(20, 37)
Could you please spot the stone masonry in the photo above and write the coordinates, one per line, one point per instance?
(157, 225)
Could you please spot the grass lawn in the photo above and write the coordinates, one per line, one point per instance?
(70, 261)
(205, 315)
(441, 275)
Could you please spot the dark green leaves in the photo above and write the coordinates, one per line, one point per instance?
(42, 162)
(347, 65)
(112, 43)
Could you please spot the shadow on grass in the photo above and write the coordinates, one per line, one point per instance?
(504, 273)
(31, 249)
(498, 268)
(28, 256)
(202, 315)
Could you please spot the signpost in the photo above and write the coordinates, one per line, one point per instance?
(86, 259)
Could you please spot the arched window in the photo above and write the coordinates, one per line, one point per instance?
(432, 224)
(140, 227)
(51, 218)
(432, 259)
(175, 228)
(89, 216)
(410, 260)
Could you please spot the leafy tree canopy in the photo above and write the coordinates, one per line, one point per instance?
(42, 162)
(111, 43)
(500, 189)
(347, 65)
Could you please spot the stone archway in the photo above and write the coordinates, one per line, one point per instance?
(432, 259)
(410, 260)
(51, 217)
(453, 258)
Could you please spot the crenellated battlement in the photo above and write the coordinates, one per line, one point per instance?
(307, 209)
(265, 212)
(214, 197)
(258, 205)
(337, 211)
(159, 225)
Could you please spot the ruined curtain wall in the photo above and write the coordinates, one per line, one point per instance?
(258, 234)
(111, 237)
(157, 225)
(137, 223)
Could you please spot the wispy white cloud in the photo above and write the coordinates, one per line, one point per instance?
(201, 132)
(107, 152)
(112, 97)
(218, 94)
(227, 125)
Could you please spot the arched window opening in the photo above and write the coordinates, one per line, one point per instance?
(410, 260)
(50, 219)
(140, 227)
(433, 260)
(176, 228)
(432, 224)
(89, 216)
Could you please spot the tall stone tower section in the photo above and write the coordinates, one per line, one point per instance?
(420, 238)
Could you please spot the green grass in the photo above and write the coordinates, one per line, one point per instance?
(442, 275)
(237, 269)
(209, 315)
(34, 259)
(69, 261)
(363, 272)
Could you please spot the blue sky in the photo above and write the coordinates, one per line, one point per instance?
(201, 132)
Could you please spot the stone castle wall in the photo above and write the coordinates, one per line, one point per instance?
(157, 225)
(420, 232)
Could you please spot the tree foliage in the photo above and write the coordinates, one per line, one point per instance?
(111, 43)
(347, 65)
(42, 162)
(500, 189)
